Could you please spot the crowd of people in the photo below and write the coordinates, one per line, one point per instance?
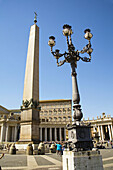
(60, 146)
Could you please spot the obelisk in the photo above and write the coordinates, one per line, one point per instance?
(29, 126)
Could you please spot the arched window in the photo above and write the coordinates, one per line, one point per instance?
(55, 118)
(59, 118)
(69, 118)
(64, 118)
(50, 118)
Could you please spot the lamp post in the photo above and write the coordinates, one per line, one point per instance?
(72, 57)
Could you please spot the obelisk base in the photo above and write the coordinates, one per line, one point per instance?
(87, 160)
(29, 131)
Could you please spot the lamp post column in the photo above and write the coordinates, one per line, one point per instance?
(75, 92)
(75, 95)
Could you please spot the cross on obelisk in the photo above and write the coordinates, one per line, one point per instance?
(29, 126)
(35, 19)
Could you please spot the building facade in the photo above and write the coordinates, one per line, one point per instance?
(102, 127)
(54, 116)
(9, 125)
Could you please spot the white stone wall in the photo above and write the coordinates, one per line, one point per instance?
(82, 160)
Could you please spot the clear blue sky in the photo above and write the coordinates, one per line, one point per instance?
(95, 79)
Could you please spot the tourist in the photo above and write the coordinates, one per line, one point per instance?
(59, 148)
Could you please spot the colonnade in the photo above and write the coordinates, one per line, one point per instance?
(105, 132)
(52, 134)
(8, 133)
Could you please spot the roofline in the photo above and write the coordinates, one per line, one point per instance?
(55, 100)
(4, 108)
(40, 101)
(15, 110)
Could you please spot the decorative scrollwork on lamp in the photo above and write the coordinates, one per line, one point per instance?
(72, 57)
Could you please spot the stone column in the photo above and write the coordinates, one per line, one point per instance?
(65, 134)
(40, 133)
(2, 133)
(55, 135)
(112, 131)
(93, 128)
(99, 132)
(60, 134)
(50, 134)
(109, 132)
(45, 134)
(7, 134)
(13, 132)
(15, 136)
(102, 133)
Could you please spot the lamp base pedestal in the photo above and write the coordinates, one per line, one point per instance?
(88, 160)
(80, 137)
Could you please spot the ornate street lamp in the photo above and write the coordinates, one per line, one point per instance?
(78, 133)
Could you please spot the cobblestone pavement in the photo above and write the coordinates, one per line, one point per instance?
(31, 162)
(48, 161)
(107, 157)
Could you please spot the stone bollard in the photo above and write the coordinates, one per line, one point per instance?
(52, 148)
(35, 151)
(29, 149)
(12, 150)
(46, 148)
(41, 149)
